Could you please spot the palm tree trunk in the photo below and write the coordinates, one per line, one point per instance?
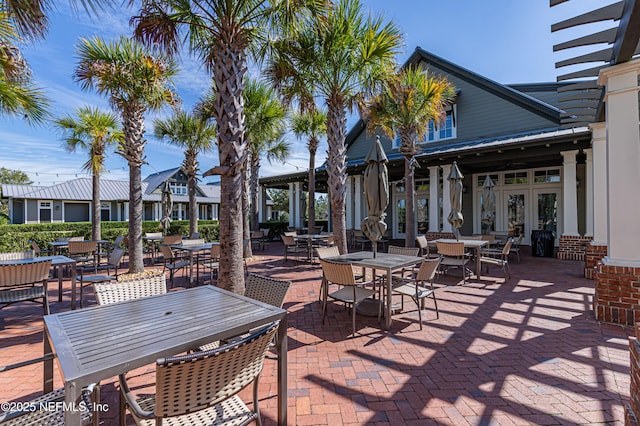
(193, 205)
(229, 69)
(253, 185)
(95, 213)
(336, 169)
(246, 230)
(312, 188)
(410, 212)
(133, 127)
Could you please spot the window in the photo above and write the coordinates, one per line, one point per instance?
(44, 211)
(546, 176)
(481, 179)
(445, 129)
(178, 188)
(516, 178)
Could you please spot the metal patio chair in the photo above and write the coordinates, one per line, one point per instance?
(20, 283)
(419, 287)
(119, 291)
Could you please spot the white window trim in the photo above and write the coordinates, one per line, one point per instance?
(42, 207)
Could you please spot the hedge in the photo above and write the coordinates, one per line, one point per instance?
(17, 237)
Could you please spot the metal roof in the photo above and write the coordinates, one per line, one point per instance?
(157, 179)
(81, 190)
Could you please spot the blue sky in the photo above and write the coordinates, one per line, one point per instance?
(507, 41)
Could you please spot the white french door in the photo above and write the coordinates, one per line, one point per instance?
(515, 213)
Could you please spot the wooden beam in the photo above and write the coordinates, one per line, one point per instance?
(604, 55)
(628, 33)
(606, 36)
(610, 12)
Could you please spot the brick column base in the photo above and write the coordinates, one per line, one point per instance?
(632, 410)
(593, 255)
(572, 247)
(617, 294)
(436, 235)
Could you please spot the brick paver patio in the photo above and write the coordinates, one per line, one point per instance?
(525, 351)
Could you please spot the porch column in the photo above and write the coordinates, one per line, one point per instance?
(126, 212)
(292, 205)
(434, 205)
(569, 193)
(297, 205)
(261, 204)
(180, 211)
(589, 191)
(348, 204)
(357, 201)
(616, 297)
(623, 161)
(446, 200)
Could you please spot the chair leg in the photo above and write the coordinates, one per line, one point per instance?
(353, 313)
(415, 299)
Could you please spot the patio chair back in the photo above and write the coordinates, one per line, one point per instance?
(115, 257)
(215, 252)
(194, 242)
(190, 383)
(194, 236)
(290, 233)
(153, 234)
(113, 292)
(172, 239)
(428, 269)
(82, 247)
(338, 273)
(324, 252)
(267, 290)
(450, 249)
(24, 273)
(118, 241)
(17, 255)
(404, 251)
(36, 248)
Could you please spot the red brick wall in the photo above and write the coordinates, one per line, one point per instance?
(435, 235)
(572, 247)
(617, 294)
(592, 256)
(632, 410)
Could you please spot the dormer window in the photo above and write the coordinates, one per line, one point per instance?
(445, 129)
(178, 188)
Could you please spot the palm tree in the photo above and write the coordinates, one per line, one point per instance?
(25, 21)
(135, 81)
(221, 32)
(409, 101)
(312, 125)
(265, 128)
(195, 136)
(92, 130)
(340, 57)
(18, 96)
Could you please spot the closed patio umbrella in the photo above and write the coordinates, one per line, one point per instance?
(376, 189)
(488, 203)
(166, 201)
(455, 217)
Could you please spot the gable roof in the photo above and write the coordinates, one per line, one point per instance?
(157, 179)
(521, 99)
(81, 189)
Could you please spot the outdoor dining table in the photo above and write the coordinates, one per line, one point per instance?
(193, 250)
(383, 261)
(310, 240)
(100, 342)
(475, 245)
(57, 261)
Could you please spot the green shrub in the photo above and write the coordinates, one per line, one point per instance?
(17, 237)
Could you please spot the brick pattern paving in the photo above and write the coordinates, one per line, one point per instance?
(525, 351)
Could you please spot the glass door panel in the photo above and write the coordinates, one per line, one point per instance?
(422, 213)
(516, 217)
(547, 210)
(401, 221)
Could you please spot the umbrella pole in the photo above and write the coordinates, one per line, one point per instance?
(374, 245)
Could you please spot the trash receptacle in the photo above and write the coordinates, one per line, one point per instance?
(542, 243)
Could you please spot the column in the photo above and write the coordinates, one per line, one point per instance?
(357, 201)
(589, 191)
(261, 199)
(623, 161)
(434, 204)
(616, 297)
(126, 212)
(292, 205)
(348, 204)
(569, 193)
(297, 205)
(446, 200)
(180, 211)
